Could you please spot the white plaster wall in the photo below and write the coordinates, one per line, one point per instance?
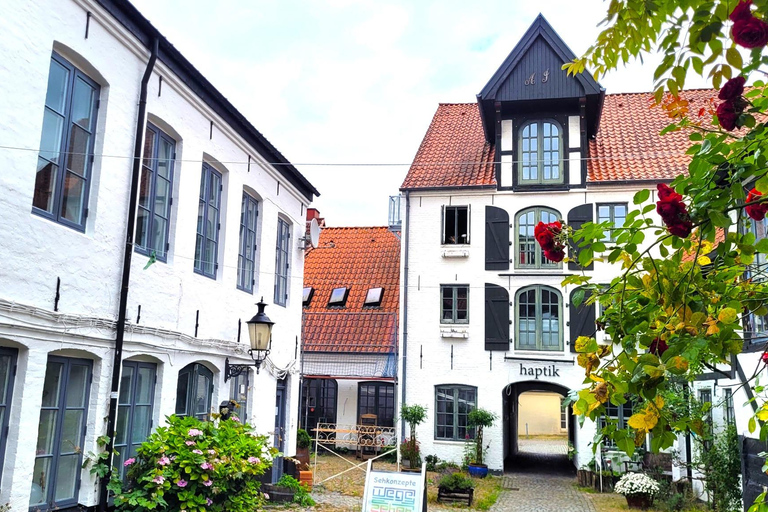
(472, 364)
(35, 251)
(346, 405)
(540, 413)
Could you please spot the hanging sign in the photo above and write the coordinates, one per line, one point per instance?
(389, 491)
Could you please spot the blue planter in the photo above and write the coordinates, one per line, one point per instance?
(478, 470)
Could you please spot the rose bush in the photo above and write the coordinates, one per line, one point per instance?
(196, 466)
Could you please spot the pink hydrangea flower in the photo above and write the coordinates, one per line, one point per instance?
(212, 452)
(235, 418)
(159, 479)
(194, 432)
(189, 443)
(128, 462)
(208, 501)
(181, 483)
(163, 461)
(208, 483)
(253, 460)
(206, 465)
(199, 452)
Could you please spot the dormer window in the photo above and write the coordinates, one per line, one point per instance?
(541, 154)
(338, 297)
(373, 298)
(307, 297)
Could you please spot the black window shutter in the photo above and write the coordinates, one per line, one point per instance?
(496, 238)
(577, 217)
(582, 321)
(496, 317)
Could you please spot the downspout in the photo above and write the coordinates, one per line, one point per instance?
(405, 306)
(117, 360)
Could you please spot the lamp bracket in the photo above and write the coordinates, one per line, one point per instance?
(234, 370)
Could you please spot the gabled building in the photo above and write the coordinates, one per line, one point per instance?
(350, 325)
(484, 316)
(93, 95)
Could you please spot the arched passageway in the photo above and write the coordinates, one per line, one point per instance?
(537, 431)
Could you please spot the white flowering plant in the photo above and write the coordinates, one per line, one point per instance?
(636, 483)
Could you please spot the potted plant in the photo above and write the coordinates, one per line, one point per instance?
(413, 415)
(638, 488)
(302, 448)
(455, 487)
(479, 418)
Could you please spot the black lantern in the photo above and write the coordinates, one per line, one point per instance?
(260, 334)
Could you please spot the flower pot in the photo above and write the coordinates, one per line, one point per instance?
(305, 477)
(302, 455)
(478, 470)
(278, 494)
(639, 501)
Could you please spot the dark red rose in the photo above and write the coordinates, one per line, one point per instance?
(764, 357)
(742, 11)
(658, 346)
(546, 234)
(681, 228)
(557, 254)
(756, 211)
(732, 89)
(727, 115)
(670, 211)
(750, 32)
(666, 193)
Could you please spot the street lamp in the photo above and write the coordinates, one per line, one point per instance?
(260, 334)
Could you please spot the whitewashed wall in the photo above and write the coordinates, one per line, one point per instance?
(539, 414)
(35, 251)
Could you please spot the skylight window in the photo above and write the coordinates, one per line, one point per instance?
(373, 297)
(338, 297)
(307, 297)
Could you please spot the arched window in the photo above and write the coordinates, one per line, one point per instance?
(539, 319)
(194, 391)
(529, 253)
(540, 149)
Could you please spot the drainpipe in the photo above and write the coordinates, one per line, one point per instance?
(117, 361)
(405, 307)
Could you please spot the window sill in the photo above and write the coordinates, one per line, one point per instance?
(455, 253)
(451, 442)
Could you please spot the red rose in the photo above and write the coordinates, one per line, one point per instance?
(742, 11)
(672, 211)
(666, 193)
(557, 254)
(545, 234)
(681, 228)
(669, 211)
(756, 211)
(764, 357)
(658, 346)
(732, 89)
(750, 32)
(727, 115)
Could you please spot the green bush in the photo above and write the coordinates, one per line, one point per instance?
(302, 438)
(301, 494)
(198, 467)
(456, 482)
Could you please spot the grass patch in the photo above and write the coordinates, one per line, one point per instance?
(612, 502)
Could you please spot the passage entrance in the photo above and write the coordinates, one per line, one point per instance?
(537, 431)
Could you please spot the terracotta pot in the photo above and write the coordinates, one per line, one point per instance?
(639, 501)
(305, 477)
(302, 455)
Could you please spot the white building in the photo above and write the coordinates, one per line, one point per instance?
(484, 316)
(219, 209)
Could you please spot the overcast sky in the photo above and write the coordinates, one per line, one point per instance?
(357, 81)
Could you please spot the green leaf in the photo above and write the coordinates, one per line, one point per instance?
(641, 196)
(752, 425)
(762, 245)
(733, 57)
(762, 185)
(578, 297)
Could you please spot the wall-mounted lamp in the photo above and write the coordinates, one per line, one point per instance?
(260, 334)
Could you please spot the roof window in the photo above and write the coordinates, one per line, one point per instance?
(307, 297)
(338, 297)
(373, 297)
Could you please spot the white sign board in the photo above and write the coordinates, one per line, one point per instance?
(389, 491)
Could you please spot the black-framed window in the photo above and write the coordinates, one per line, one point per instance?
(155, 194)
(529, 253)
(373, 297)
(730, 414)
(454, 304)
(246, 257)
(615, 213)
(455, 225)
(65, 159)
(620, 414)
(452, 405)
(756, 326)
(539, 319)
(61, 433)
(134, 411)
(194, 390)
(208, 222)
(540, 147)
(318, 402)
(377, 398)
(281, 262)
(306, 297)
(7, 373)
(238, 393)
(338, 297)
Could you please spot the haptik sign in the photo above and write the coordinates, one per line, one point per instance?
(387, 491)
(547, 371)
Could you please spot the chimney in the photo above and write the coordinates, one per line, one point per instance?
(314, 213)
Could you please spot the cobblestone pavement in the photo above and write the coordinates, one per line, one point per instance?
(549, 446)
(541, 492)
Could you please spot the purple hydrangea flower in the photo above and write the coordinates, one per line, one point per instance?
(163, 461)
(208, 483)
(181, 483)
(128, 462)
(194, 432)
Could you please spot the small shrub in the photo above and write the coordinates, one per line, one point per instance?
(636, 483)
(302, 438)
(456, 482)
(409, 450)
(432, 462)
(301, 493)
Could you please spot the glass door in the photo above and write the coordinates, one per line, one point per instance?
(56, 476)
(134, 414)
(7, 373)
(279, 436)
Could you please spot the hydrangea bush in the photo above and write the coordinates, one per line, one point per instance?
(196, 466)
(636, 483)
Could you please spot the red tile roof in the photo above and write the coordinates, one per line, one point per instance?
(628, 147)
(454, 152)
(360, 259)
